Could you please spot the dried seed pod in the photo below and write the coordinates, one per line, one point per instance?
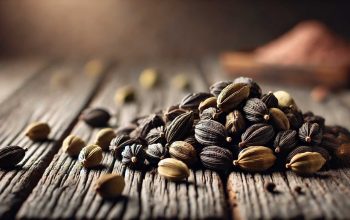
(192, 140)
(104, 138)
(270, 100)
(255, 90)
(149, 123)
(118, 144)
(192, 100)
(235, 122)
(330, 142)
(179, 128)
(312, 118)
(38, 131)
(156, 135)
(232, 96)
(133, 156)
(72, 145)
(207, 103)
(90, 156)
(310, 134)
(285, 100)
(156, 152)
(210, 113)
(256, 135)
(172, 112)
(217, 87)
(306, 163)
(295, 118)
(173, 169)
(216, 158)
(255, 159)
(285, 141)
(211, 133)
(96, 117)
(279, 119)
(124, 94)
(183, 151)
(109, 185)
(149, 78)
(343, 152)
(303, 149)
(10, 156)
(256, 111)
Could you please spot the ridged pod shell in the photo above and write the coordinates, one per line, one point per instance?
(211, 133)
(255, 159)
(232, 96)
(180, 127)
(216, 158)
(306, 163)
(257, 135)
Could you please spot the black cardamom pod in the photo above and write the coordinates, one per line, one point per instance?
(210, 132)
(310, 133)
(217, 87)
(192, 140)
(257, 135)
(156, 152)
(180, 127)
(312, 118)
(295, 117)
(232, 96)
(96, 117)
(10, 156)
(270, 100)
(172, 112)
(149, 123)
(256, 111)
(192, 100)
(119, 143)
(285, 141)
(156, 135)
(133, 156)
(216, 158)
(255, 90)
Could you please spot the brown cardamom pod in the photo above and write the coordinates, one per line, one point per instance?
(38, 131)
(90, 156)
(192, 100)
(211, 133)
(149, 123)
(96, 117)
(279, 119)
(156, 152)
(156, 135)
(270, 100)
(211, 113)
(312, 118)
(180, 127)
(183, 151)
(285, 141)
(192, 140)
(10, 156)
(110, 185)
(235, 122)
(255, 90)
(310, 133)
(255, 159)
(306, 163)
(207, 103)
(172, 112)
(217, 87)
(257, 135)
(232, 96)
(216, 158)
(295, 117)
(256, 111)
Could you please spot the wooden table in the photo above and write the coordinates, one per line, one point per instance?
(52, 185)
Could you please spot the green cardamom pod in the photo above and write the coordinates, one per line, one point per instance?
(216, 158)
(217, 87)
(285, 100)
(173, 169)
(90, 156)
(303, 149)
(256, 135)
(255, 159)
(310, 133)
(279, 119)
(232, 96)
(207, 103)
(256, 111)
(180, 127)
(10, 156)
(306, 163)
(38, 131)
(183, 151)
(192, 100)
(110, 185)
(72, 145)
(104, 138)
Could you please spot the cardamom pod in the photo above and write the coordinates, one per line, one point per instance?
(303, 149)
(285, 141)
(310, 133)
(256, 111)
(330, 142)
(96, 117)
(211, 133)
(279, 119)
(149, 123)
(312, 118)
(38, 131)
(211, 113)
(255, 159)
(172, 112)
(306, 163)
(10, 156)
(207, 103)
(173, 169)
(156, 152)
(118, 144)
(232, 96)
(156, 135)
(192, 140)
(104, 138)
(133, 156)
(235, 122)
(149, 78)
(179, 128)
(216, 158)
(72, 145)
(285, 100)
(124, 94)
(270, 100)
(192, 100)
(295, 118)
(256, 135)
(110, 185)
(90, 156)
(183, 151)
(255, 90)
(217, 87)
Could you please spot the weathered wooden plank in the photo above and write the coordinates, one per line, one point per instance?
(38, 100)
(324, 195)
(66, 190)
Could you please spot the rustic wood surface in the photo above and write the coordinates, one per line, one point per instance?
(49, 184)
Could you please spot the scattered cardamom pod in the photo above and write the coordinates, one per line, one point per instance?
(306, 163)
(133, 155)
(232, 96)
(255, 159)
(156, 152)
(10, 156)
(310, 133)
(38, 131)
(181, 81)
(217, 87)
(172, 112)
(256, 135)
(124, 94)
(173, 169)
(256, 111)
(270, 100)
(211, 133)
(285, 141)
(312, 118)
(96, 117)
(285, 100)
(110, 185)
(216, 158)
(149, 78)
(207, 103)
(255, 90)
(90, 156)
(156, 135)
(104, 138)
(180, 127)
(183, 151)
(72, 145)
(235, 122)
(279, 119)
(192, 100)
